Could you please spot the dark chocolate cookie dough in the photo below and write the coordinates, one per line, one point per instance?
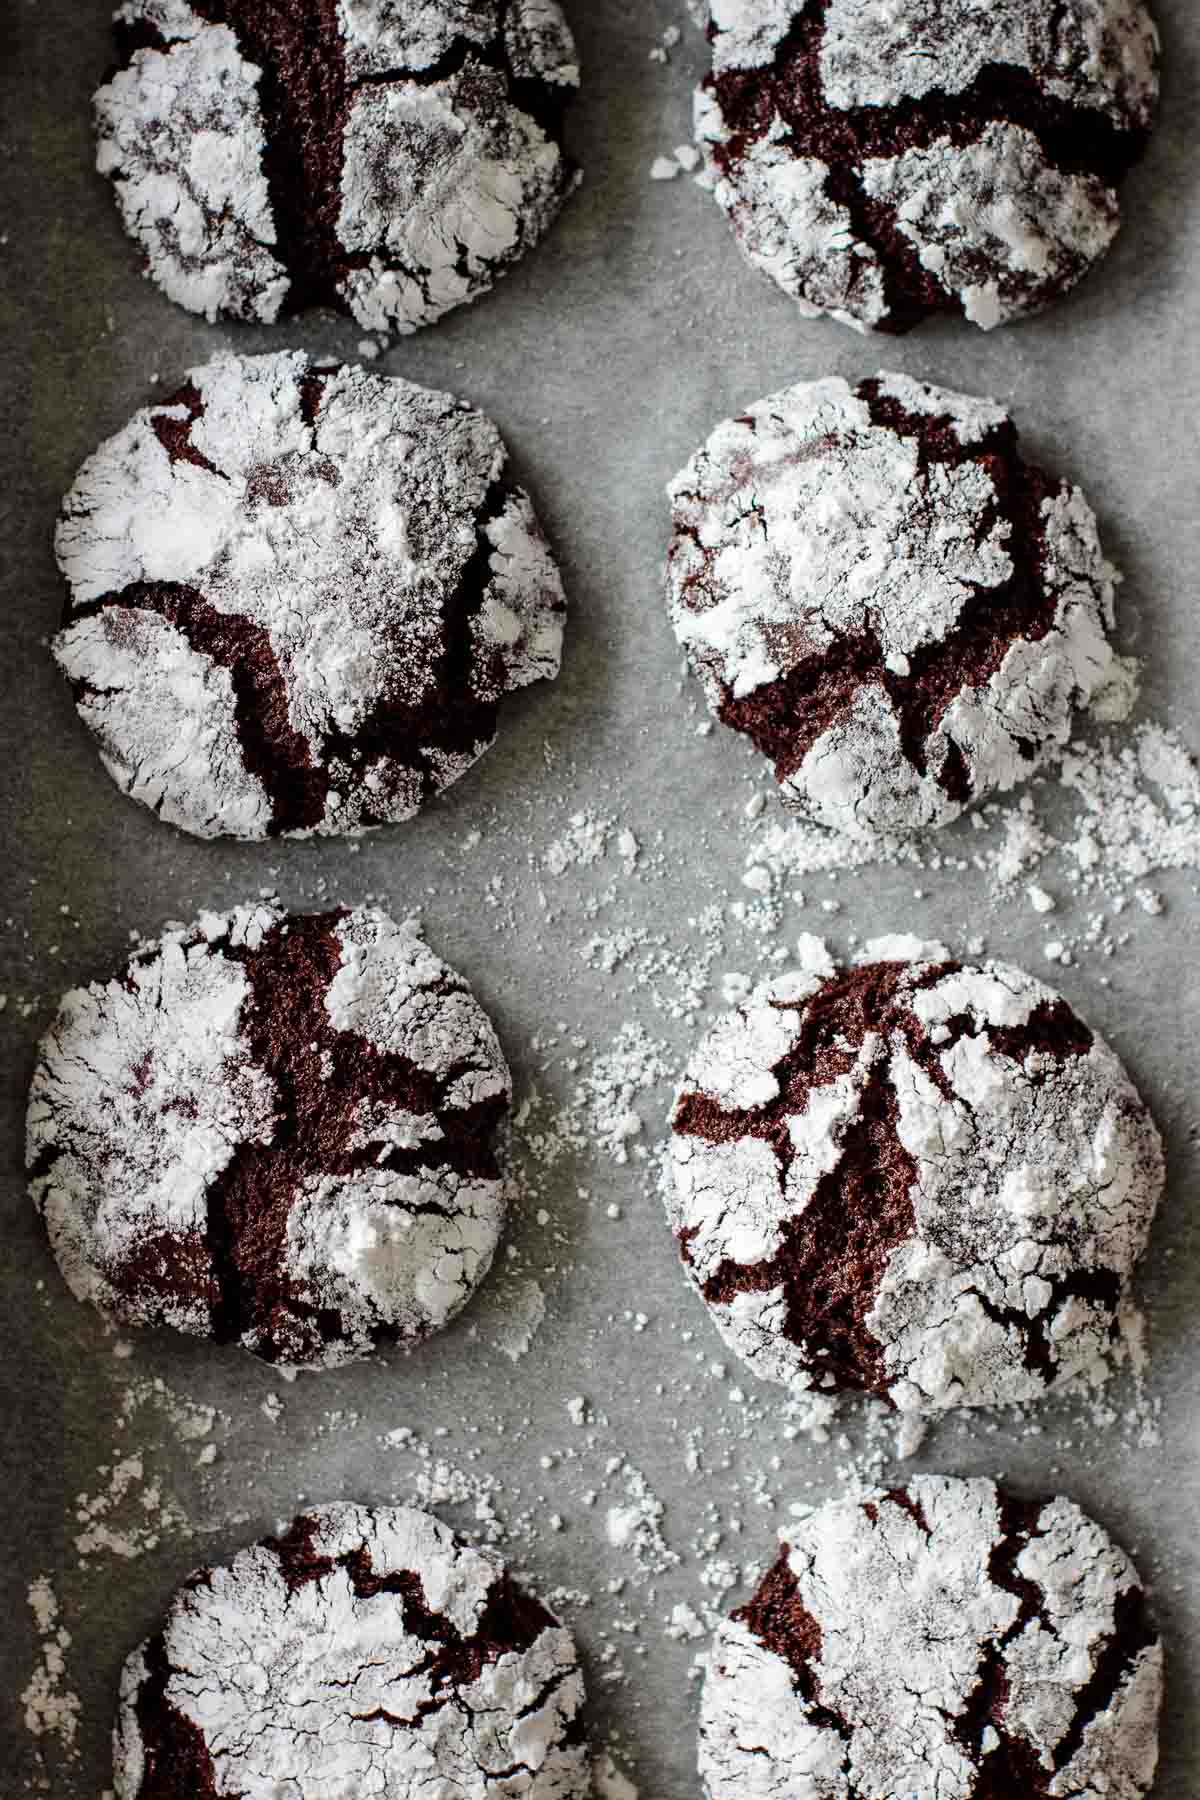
(274, 1130)
(367, 1654)
(943, 1641)
(921, 1180)
(387, 157)
(297, 595)
(887, 159)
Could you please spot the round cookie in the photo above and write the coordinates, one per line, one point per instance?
(882, 162)
(297, 595)
(366, 1654)
(389, 158)
(922, 1180)
(896, 609)
(943, 1641)
(274, 1130)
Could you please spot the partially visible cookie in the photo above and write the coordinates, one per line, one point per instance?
(886, 161)
(877, 589)
(274, 1130)
(297, 595)
(387, 157)
(916, 1179)
(944, 1641)
(367, 1654)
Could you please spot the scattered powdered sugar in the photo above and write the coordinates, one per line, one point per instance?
(1140, 804)
(524, 1308)
(608, 1095)
(609, 1782)
(584, 842)
(1113, 812)
(634, 1526)
(51, 1709)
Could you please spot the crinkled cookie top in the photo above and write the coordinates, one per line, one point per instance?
(273, 1130)
(887, 159)
(943, 1641)
(367, 1654)
(384, 157)
(875, 587)
(924, 1180)
(297, 595)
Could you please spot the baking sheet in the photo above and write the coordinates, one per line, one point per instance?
(605, 358)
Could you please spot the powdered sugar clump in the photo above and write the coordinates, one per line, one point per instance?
(51, 1709)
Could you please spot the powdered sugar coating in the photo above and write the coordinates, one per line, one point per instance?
(367, 1653)
(1015, 221)
(426, 137)
(990, 138)
(925, 1180)
(270, 580)
(1101, 54)
(939, 1642)
(276, 1131)
(180, 133)
(872, 584)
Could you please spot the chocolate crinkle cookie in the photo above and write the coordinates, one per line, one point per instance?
(897, 610)
(297, 595)
(367, 1654)
(386, 157)
(276, 1131)
(887, 159)
(926, 1181)
(943, 1641)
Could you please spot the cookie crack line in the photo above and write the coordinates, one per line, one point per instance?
(834, 1252)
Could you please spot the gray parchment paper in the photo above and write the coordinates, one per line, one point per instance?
(605, 358)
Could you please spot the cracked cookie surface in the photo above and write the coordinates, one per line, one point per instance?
(942, 1641)
(917, 1179)
(885, 162)
(897, 610)
(297, 597)
(386, 157)
(274, 1130)
(367, 1653)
